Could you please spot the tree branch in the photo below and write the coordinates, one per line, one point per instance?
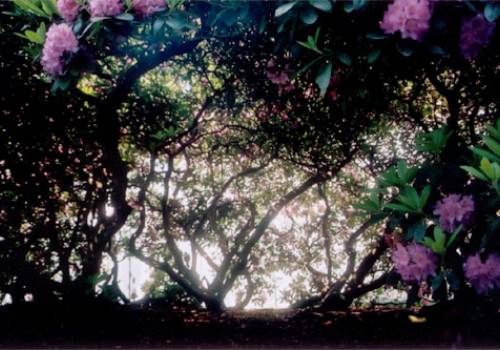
(324, 230)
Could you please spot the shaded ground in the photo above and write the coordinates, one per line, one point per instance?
(125, 327)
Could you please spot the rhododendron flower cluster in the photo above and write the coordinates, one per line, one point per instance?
(334, 83)
(59, 40)
(105, 8)
(68, 9)
(410, 17)
(454, 210)
(146, 8)
(475, 34)
(278, 77)
(483, 276)
(414, 262)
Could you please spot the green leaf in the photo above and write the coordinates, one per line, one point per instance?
(310, 44)
(437, 50)
(405, 50)
(368, 207)
(410, 174)
(230, 19)
(438, 244)
(487, 168)
(323, 5)
(280, 11)
(316, 35)
(344, 58)
(404, 173)
(77, 27)
(221, 14)
(96, 279)
(157, 25)
(159, 135)
(262, 25)
(33, 51)
(376, 36)
(428, 242)
(494, 132)
(438, 234)
(390, 178)
(42, 30)
(439, 241)
(398, 207)
(358, 4)
(424, 196)
(416, 232)
(176, 23)
(323, 78)
(308, 16)
(433, 142)
(125, 17)
(373, 56)
(402, 169)
(60, 84)
(453, 237)
(348, 7)
(452, 280)
(354, 5)
(282, 24)
(470, 6)
(306, 67)
(31, 7)
(50, 7)
(492, 145)
(437, 281)
(305, 44)
(413, 195)
(371, 204)
(175, 3)
(496, 172)
(34, 37)
(486, 154)
(21, 35)
(409, 197)
(407, 201)
(474, 172)
(491, 12)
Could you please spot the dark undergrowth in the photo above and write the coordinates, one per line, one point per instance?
(117, 326)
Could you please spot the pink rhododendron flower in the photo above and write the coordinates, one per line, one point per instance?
(454, 210)
(309, 92)
(146, 8)
(410, 17)
(475, 34)
(414, 262)
(333, 95)
(105, 8)
(483, 276)
(68, 9)
(392, 240)
(332, 91)
(278, 77)
(59, 40)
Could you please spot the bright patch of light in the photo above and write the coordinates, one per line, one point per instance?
(132, 276)
(109, 211)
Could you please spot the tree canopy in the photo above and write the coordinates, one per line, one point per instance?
(349, 146)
